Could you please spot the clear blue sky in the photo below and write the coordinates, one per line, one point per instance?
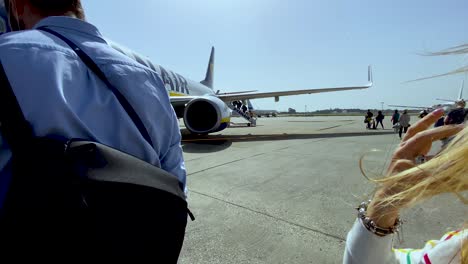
(272, 45)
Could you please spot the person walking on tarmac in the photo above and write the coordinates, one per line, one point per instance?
(369, 119)
(404, 122)
(380, 117)
(423, 113)
(395, 117)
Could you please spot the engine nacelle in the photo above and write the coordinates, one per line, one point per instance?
(206, 114)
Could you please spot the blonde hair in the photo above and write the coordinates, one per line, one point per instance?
(457, 50)
(445, 173)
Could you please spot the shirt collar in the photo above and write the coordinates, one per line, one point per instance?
(70, 24)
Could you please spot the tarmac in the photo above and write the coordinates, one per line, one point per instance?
(285, 191)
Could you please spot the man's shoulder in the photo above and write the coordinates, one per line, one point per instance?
(456, 112)
(26, 38)
(23, 36)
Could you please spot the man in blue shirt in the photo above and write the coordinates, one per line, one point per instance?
(59, 95)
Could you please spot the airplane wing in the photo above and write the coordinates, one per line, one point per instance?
(409, 106)
(245, 96)
(243, 92)
(177, 101)
(446, 100)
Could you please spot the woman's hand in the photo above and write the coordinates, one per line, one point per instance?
(417, 141)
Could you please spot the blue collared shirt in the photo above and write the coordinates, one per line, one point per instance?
(60, 96)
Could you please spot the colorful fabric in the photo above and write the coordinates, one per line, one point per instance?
(364, 247)
(444, 250)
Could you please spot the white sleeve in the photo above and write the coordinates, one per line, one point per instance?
(364, 247)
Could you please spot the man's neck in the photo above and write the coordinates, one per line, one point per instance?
(31, 24)
(70, 14)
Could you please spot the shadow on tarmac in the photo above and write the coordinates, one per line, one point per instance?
(205, 146)
(220, 142)
(319, 121)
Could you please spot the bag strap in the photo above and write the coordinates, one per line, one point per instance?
(93, 67)
(14, 127)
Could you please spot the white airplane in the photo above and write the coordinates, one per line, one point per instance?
(460, 95)
(205, 111)
(261, 112)
(436, 106)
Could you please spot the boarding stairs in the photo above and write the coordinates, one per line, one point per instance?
(252, 120)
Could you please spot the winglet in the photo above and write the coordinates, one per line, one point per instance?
(460, 96)
(208, 81)
(369, 76)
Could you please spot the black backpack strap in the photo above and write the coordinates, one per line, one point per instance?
(14, 127)
(93, 67)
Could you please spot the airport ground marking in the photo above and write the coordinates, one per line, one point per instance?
(256, 155)
(335, 126)
(272, 216)
(226, 163)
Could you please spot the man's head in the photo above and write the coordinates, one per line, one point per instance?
(461, 103)
(24, 14)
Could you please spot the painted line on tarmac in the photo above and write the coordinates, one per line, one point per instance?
(222, 164)
(273, 217)
(302, 144)
(335, 126)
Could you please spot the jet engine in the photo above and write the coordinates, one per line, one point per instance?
(206, 114)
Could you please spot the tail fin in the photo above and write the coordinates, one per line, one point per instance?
(460, 96)
(210, 71)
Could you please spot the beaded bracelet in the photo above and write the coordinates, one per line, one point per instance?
(372, 226)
